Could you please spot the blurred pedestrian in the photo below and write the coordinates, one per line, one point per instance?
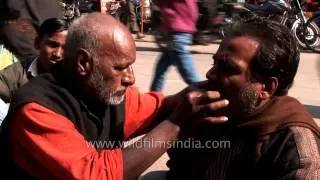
(208, 10)
(179, 22)
(131, 17)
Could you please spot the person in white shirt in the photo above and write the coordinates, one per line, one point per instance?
(50, 43)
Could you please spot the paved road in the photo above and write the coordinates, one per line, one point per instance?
(306, 87)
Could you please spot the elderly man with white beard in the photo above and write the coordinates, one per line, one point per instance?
(70, 124)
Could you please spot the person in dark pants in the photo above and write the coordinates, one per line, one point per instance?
(179, 30)
(131, 17)
(19, 21)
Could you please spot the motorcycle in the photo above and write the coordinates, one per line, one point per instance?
(307, 34)
(292, 16)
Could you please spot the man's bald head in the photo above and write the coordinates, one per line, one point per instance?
(100, 35)
(99, 54)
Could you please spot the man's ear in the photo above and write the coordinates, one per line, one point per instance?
(37, 42)
(84, 62)
(269, 88)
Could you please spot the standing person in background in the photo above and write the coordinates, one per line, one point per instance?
(127, 14)
(179, 21)
(19, 21)
(208, 9)
(131, 17)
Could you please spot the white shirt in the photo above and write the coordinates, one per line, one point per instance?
(3, 110)
(33, 68)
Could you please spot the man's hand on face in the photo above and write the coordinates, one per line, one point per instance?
(198, 107)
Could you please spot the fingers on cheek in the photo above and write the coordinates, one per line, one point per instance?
(218, 105)
(211, 107)
(220, 119)
(213, 94)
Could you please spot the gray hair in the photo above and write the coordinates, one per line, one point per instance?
(82, 34)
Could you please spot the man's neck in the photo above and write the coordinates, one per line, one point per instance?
(41, 69)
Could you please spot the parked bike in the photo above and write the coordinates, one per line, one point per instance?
(315, 18)
(306, 32)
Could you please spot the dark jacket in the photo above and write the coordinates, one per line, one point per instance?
(280, 141)
(13, 77)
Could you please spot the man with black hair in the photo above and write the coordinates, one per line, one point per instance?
(50, 43)
(19, 21)
(269, 134)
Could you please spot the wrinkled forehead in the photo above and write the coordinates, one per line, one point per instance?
(124, 44)
(240, 46)
(121, 45)
(57, 37)
(62, 33)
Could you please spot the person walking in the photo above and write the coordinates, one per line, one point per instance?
(179, 22)
(131, 18)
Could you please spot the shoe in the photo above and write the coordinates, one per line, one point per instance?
(140, 35)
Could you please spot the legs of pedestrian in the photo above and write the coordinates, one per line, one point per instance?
(160, 71)
(183, 57)
(132, 19)
(177, 53)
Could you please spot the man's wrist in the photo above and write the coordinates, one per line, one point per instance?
(172, 130)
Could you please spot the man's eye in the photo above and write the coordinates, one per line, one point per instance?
(121, 68)
(53, 44)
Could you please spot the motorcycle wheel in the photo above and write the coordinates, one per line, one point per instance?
(307, 35)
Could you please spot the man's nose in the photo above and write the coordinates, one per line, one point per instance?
(129, 78)
(58, 53)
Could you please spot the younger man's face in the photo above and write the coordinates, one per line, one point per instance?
(51, 49)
